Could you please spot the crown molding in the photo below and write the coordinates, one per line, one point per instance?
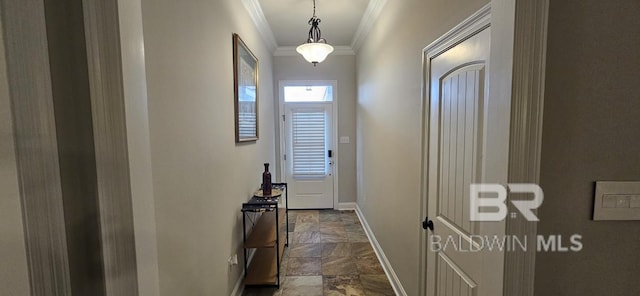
(257, 15)
(366, 23)
(287, 51)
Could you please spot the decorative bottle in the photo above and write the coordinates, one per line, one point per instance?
(266, 181)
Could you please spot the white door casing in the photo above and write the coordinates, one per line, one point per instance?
(308, 132)
(459, 151)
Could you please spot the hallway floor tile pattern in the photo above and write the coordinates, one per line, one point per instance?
(328, 254)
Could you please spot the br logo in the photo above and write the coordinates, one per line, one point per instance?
(492, 198)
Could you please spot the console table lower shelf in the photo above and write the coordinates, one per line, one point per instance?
(263, 269)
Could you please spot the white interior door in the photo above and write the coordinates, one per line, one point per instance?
(461, 264)
(309, 149)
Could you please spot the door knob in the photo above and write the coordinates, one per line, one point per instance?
(427, 224)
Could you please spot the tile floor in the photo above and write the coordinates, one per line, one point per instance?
(328, 254)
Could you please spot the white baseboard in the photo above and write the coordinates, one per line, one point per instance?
(239, 287)
(344, 206)
(386, 265)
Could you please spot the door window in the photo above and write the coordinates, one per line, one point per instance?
(308, 140)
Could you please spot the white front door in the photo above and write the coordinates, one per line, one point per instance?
(459, 261)
(309, 149)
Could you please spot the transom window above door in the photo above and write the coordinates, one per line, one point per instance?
(322, 93)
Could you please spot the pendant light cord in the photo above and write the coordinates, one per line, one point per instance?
(315, 36)
(314, 8)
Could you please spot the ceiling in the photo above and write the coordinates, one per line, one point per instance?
(288, 19)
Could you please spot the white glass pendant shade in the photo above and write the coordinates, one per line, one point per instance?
(315, 52)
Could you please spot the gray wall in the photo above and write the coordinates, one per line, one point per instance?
(200, 176)
(14, 276)
(389, 73)
(336, 67)
(591, 132)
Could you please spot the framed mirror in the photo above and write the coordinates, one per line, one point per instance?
(245, 82)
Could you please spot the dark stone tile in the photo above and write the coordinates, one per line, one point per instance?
(302, 285)
(332, 228)
(290, 237)
(310, 217)
(331, 218)
(357, 237)
(362, 250)
(369, 265)
(353, 228)
(307, 212)
(333, 224)
(306, 219)
(284, 263)
(333, 238)
(304, 266)
(307, 226)
(338, 266)
(348, 222)
(343, 285)
(336, 250)
(348, 219)
(330, 212)
(305, 250)
(333, 235)
(376, 285)
(310, 237)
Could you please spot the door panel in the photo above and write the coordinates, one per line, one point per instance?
(461, 107)
(455, 281)
(309, 170)
(456, 142)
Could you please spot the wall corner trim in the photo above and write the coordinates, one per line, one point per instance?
(527, 104)
(366, 23)
(386, 265)
(257, 16)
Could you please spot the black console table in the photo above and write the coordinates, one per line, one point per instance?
(269, 236)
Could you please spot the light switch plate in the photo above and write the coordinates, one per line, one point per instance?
(617, 201)
(345, 140)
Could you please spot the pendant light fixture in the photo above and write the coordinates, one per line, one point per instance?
(315, 49)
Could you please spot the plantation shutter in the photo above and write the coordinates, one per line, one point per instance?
(308, 140)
